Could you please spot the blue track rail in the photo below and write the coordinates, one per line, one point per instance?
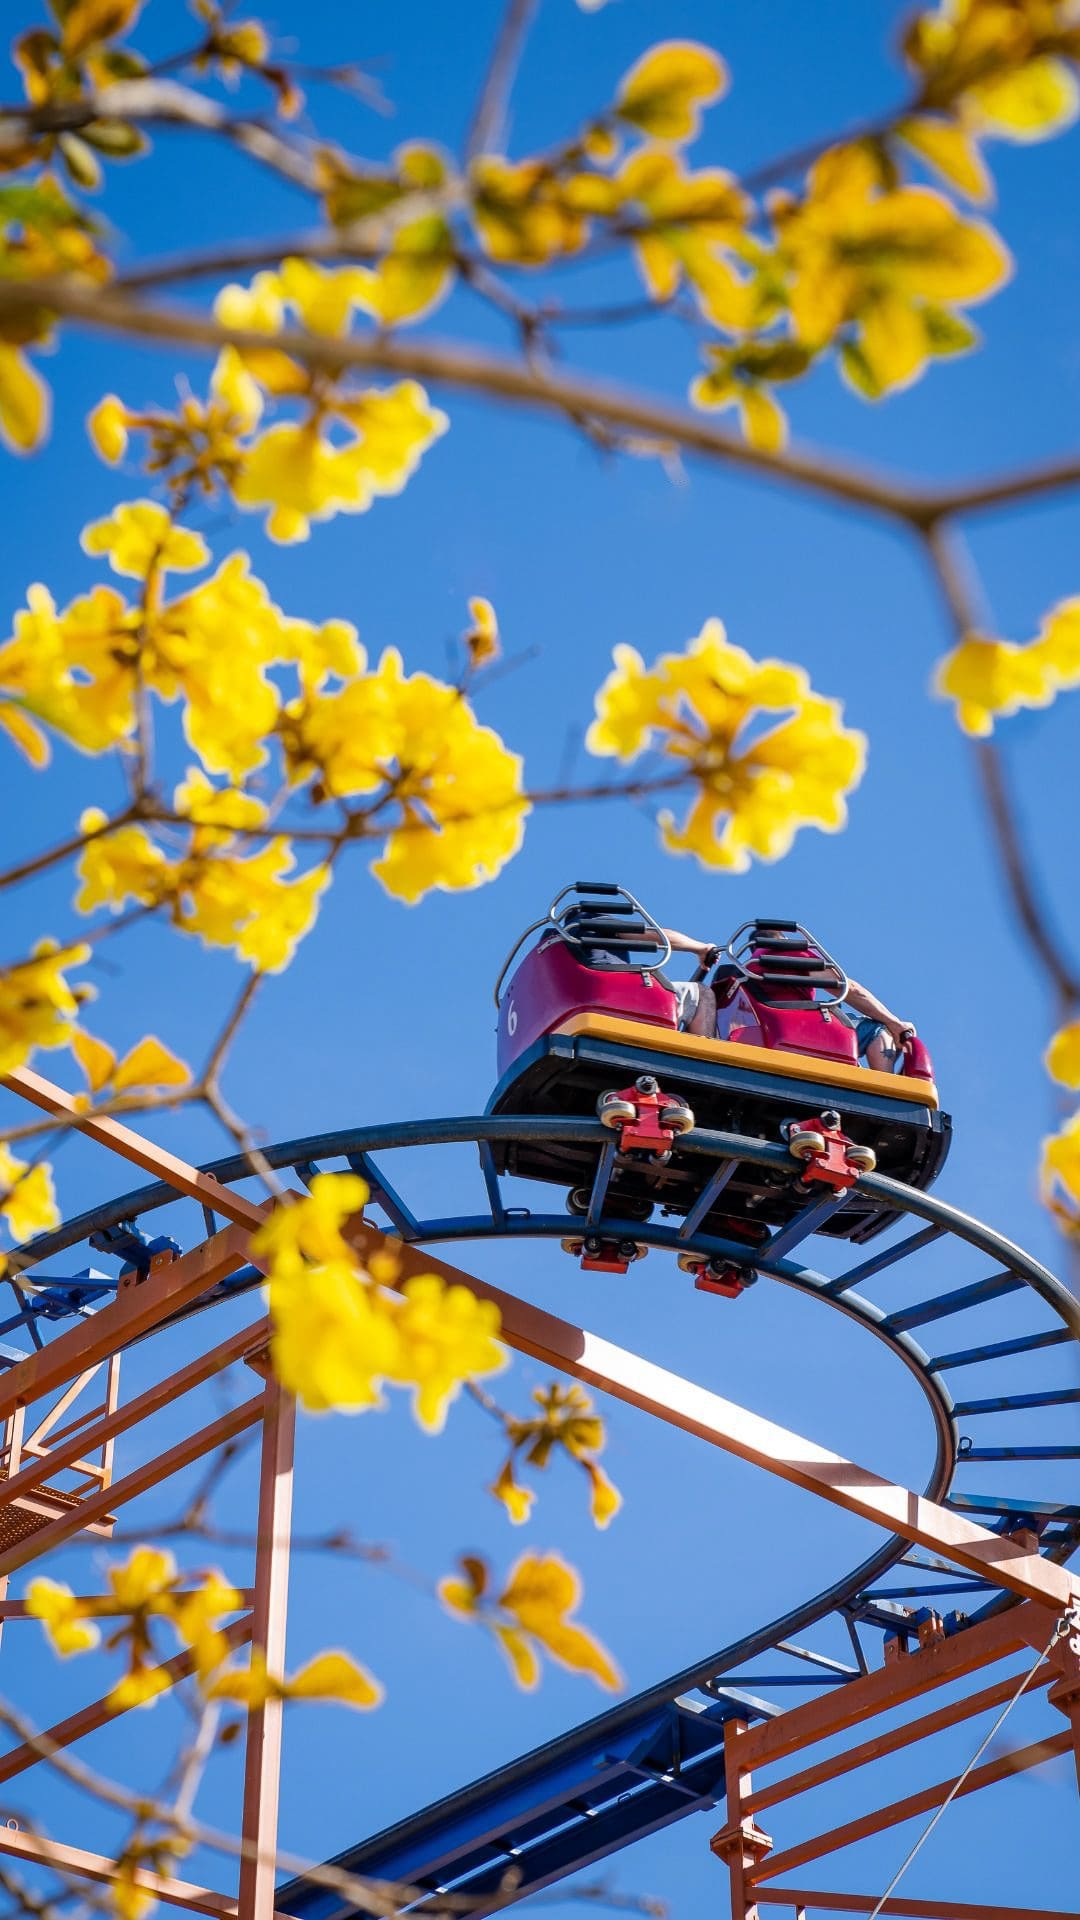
(657, 1758)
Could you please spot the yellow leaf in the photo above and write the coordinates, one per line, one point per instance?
(991, 677)
(24, 401)
(90, 21)
(893, 342)
(1035, 101)
(606, 1498)
(150, 1064)
(764, 421)
(95, 1057)
(952, 151)
(517, 1500)
(107, 426)
(664, 91)
(464, 1595)
(139, 1687)
(26, 734)
(482, 639)
(541, 1593)
(1062, 1056)
(334, 1677)
(521, 1654)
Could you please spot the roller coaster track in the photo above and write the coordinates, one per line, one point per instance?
(657, 1757)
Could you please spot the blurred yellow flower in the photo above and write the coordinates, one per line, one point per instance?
(1062, 1057)
(54, 1604)
(27, 1199)
(38, 1004)
(139, 537)
(531, 1616)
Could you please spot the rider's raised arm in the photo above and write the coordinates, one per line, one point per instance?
(682, 943)
(861, 1000)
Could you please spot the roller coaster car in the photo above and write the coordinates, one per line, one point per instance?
(588, 1011)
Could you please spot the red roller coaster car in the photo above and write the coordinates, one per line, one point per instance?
(588, 1014)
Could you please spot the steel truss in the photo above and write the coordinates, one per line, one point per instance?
(695, 1740)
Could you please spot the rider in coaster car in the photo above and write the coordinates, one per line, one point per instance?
(879, 1033)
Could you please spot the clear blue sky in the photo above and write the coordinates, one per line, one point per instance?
(387, 1011)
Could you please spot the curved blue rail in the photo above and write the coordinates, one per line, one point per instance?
(659, 1756)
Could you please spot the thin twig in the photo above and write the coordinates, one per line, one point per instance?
(488, 126)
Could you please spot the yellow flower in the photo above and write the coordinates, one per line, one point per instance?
(216, 812)
(54, 1604)
(525, 212)
(482, 638)
(1062, 1057)
(71, 670)
(197, 1617)
(413, 276)
(27, 1199)
(38, 1005)
(445, 1337)
(335, 1339)
(664, 91)
(121, 867)
(247, 904)
(258, 308)
(991, 677)
(322, 298)
(107, 426)
(139, 537)
(231, 706)
(144, 1580)
(301, 476)
(1061, 1160)
(752, 791)
(309, 1228)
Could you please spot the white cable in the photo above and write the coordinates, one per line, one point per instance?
(1067, 1623)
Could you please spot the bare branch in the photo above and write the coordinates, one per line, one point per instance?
(488, 127)
(952, 566)
(150, 102)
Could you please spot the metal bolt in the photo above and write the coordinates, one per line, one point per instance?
(831, 1118)
(647, 1083)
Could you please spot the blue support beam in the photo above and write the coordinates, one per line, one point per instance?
(554, 1812)
(1013, 1402)
(710, 1192)
(946, 1303)
(1001, 1349)
(384, 1194)
(888, 1257)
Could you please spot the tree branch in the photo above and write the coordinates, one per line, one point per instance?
(951, 566)
(488, 126)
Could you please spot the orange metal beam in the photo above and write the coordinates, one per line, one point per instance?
(892, 1686)
(38, 1851)
(89, 1718)
(57, 1458)
(638, 1382)
(135, 1311)
(893, 1742)
(910, 1909)
(17, 1609)
(1018, 1761)
(133, 1146)
(262, 1763)
(96, 1505)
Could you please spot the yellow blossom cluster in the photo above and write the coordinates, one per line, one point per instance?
(531, 1616)
(339, 1335)
(39, 1006)
(701, 712)
(459, 809)
(566, 1423)
(992, 678)
(148, 1590)
(1061, 1151)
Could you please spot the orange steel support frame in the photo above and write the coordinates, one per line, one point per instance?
(63, 1443)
